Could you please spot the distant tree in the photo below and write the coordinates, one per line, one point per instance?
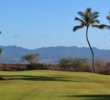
(78, 62)
(65, 61)
(89, 18)
(30, 58)
(75, 62)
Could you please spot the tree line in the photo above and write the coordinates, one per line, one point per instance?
(87, 19)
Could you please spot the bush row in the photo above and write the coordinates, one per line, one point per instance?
(37, 66)
(21, 67)
(83, 68)
(12, 67)
(100, 67)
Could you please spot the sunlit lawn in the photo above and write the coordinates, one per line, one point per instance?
(54, 85)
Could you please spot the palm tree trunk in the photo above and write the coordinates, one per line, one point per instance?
(90, 49)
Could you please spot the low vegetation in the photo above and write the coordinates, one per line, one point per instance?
(23, 67)
(74, 64)
(65, 64)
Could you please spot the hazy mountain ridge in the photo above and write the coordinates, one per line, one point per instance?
(13, 54)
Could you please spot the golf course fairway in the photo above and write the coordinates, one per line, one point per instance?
(53, 85)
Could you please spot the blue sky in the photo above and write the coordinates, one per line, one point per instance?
(43, 23)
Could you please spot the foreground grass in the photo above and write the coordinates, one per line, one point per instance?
(54, 85)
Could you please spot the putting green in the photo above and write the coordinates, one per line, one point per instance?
(54, 85)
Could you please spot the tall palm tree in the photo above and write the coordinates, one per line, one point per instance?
(88, 18)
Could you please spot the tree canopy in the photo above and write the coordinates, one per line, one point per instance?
(30, 58)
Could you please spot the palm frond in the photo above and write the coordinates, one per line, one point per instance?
(96, 26)
(81, 14)
(102, 26)
(94, 22)
(77, 27)
(95, 14)
(88, 10)
(80, 20)
(108, 18)
(88, 15)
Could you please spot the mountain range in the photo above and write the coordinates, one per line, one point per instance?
(13, 54)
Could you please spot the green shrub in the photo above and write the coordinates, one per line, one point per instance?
(37, 66)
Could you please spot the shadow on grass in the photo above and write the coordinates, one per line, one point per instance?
(92, 97)
(45, 78)
(2, 78)
(34, 78)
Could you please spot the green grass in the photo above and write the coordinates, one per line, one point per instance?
(54, 85)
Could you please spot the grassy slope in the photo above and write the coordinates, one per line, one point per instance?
(54, 85)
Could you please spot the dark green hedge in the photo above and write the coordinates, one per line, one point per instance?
(37, 67)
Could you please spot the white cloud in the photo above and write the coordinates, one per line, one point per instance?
(44, 35)
(107, 35)
(17, 36)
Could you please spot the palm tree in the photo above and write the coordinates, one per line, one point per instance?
(89, 18)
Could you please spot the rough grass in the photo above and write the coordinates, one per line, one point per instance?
(54, 85)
